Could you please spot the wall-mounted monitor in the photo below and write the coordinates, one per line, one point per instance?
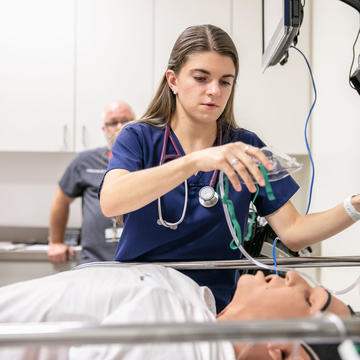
(281, 20)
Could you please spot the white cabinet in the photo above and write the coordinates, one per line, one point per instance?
(63, 61)
(114, 52)
(36, 75)
(173, 16)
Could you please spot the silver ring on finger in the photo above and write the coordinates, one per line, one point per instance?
(246, 148)
(234, 161)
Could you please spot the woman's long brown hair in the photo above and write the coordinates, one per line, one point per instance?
(192, 40)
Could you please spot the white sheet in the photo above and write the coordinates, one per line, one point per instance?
(145, 293)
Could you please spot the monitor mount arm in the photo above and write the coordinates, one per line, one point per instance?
(354, 79)
(353, 3)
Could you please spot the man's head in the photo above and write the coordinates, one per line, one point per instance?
(116, 115)
(260, 297)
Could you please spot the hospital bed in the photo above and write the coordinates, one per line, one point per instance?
(324, 329)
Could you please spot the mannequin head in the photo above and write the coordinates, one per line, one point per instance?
(260, 297)
(270, 297)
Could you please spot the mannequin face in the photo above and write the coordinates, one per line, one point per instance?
(259, 297)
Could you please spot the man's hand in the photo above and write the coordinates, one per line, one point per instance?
(57, 253)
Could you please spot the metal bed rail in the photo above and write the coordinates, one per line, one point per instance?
(310, 330)
(289, 262)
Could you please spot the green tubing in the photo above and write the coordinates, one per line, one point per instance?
(231, 210)
(268, 188)
(225, 199)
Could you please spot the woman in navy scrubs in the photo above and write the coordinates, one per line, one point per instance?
(186, 136)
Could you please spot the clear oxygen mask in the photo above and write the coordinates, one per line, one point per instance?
(283, 164)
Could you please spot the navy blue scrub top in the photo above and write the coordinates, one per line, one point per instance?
(204, 234)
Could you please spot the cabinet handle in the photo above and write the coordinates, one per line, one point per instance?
(83, 136)
(65, 136)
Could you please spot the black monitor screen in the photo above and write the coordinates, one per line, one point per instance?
(281, 20)
(273, 11)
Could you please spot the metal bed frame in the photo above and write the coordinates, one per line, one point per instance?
(289, 262)
(315, 330)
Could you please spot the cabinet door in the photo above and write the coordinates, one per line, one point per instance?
(274, 104)
(173, 16)
(36, 75)
(114, 62)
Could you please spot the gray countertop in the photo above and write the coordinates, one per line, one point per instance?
(28, 252)
(33, 235)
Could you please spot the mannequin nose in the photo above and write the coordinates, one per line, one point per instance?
(292, 278)
(270, 277)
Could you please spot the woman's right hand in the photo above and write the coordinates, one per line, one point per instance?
(235, 160)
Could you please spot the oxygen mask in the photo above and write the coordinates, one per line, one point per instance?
(283, 164)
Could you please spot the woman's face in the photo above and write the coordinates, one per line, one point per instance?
(276, 297)
(203, 86)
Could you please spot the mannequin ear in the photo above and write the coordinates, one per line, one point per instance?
(171, 79)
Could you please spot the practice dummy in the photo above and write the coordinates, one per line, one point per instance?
(149, 293)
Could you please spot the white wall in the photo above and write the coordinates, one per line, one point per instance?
(27, 187)
(335, 130)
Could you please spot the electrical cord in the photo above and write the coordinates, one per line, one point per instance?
(306, 128)
(307, 146)
(353, 58)
(274, 253)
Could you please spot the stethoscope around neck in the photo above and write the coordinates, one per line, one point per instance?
(207, 194)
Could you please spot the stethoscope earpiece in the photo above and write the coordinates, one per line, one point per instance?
(208, 197)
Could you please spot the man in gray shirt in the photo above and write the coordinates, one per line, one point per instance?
(81, 179)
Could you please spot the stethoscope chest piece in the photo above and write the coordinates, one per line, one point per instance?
(208, 197)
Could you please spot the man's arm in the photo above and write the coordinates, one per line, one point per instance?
(57, 251)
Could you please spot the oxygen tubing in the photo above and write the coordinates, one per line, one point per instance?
(237, 243)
